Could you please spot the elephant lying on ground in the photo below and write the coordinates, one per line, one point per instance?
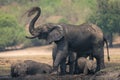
(86, 66)
(69, 38)
(29, 67)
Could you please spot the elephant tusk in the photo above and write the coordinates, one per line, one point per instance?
(30, 37)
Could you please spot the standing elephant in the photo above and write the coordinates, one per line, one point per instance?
(71, 61)
(86, 66)
(70, 38)
(62, 64)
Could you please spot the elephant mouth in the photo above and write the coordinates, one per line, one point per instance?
(43, 35)
(40, 36)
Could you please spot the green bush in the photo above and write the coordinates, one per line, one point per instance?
(71, 11)
(11, 33)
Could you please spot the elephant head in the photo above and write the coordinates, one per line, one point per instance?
(49, 32)
(90, 67)
(18, 69)
(86, 66)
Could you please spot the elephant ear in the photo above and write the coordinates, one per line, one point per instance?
(55, 34)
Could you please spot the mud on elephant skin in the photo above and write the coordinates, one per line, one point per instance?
(86, 66)
(29, 67)
(69, 37)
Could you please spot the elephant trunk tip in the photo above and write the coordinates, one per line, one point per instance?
(33, 10)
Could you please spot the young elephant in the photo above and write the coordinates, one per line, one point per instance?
(29, 67)
(86, 66)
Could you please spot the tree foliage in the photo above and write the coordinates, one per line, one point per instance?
(107, 15)
(10, 31)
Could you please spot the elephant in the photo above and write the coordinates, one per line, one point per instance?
(90, 57)
(29, 67)
(69, 38)
(62, 64)
(73, 62)
(71, 59)
(18, 69)
(86, 66)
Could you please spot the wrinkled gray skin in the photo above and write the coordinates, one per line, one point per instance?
(72, 38)
(86, 66)
(18, 69)
(29, 67)
(70, 61)
(62, 64)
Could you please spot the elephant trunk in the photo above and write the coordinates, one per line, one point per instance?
(32, 23)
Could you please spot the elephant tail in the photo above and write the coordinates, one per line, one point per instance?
(107, 49)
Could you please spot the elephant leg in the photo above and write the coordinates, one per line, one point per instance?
(76, 71)
(63, 67)
(72, 60)
(72, 68)
(62, 64)
(58, 60)
(100, 64)
(54, 53)
(99, 55)
(62, 53)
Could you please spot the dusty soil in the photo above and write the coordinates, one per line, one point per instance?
(43, 54)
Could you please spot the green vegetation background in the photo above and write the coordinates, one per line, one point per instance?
(13, 19)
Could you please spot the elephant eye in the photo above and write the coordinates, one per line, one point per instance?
(44, 29)
(44, 72)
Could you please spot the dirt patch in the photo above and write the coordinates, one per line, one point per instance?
(111, 72)
(43, 54)
(101, 75)
(108, 74)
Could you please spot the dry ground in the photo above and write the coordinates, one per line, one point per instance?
(43, 54)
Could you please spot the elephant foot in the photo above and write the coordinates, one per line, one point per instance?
(62, 73)
(102, 67)
(98, 68)
(54, 73)
(71, 73)
(58, 73)
(76, 71)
